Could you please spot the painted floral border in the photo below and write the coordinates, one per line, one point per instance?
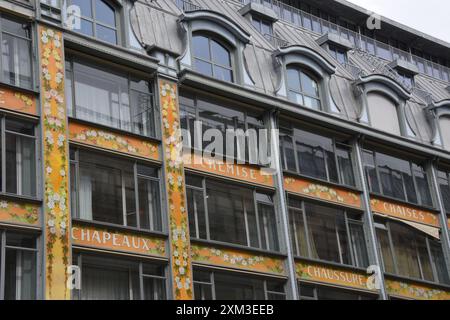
(56, 195)
(107, 140)
(176, 194)
(22, 213)
(323, 192)
(237, 259)
(17, 101)
(414, 291)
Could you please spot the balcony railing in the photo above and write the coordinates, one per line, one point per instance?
(384, 51)
(276, 41)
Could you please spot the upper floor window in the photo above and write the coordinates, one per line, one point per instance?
(117, 279)
(303, 88)
(98, 19)
(410, 253)
(212, 58)
(263, 26)
(113, 191)
(18, 253)
(340, 54)
(226, 213)
(110, 98)
(19, 166)
(316, 156)
(16, 62)
(444, 182)
(314, 292)
(444, 124)
(397, 178)
(328, 234)
(227, 286)
(383, 113)
(229, 121)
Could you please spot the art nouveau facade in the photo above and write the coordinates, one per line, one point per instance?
(94, 176)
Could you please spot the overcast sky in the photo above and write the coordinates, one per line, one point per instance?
(429, 16)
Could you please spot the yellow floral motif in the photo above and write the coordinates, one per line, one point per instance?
(323, 191)
(412, 291)
(21, 213)
(24, 98)
(235, 259)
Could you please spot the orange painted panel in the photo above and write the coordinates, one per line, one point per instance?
(19, 213)
(331, 275)
(237, 260)
(404, 212)
(117, 241)
(17, 101)
(323, 192)
(104, 139)
(243, 173)
(415, 291)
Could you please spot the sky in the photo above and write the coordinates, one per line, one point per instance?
(428, 16)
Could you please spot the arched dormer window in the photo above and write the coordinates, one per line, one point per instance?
(212, 57)
(303, 88)
(383, 104)
(214, 46)
(304, 77)
(99, 19)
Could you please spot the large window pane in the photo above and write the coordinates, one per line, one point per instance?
(229, 287)
(149, 204)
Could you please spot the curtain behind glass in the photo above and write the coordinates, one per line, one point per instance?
(20, 275)
(102, 284)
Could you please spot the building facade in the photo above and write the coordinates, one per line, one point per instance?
(99, 199)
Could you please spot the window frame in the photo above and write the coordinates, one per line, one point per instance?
(212, 285)
(230, 50)
(30, 41)
(317, 287)
(76, 163)
(93, 20)
(447, 180)
(257, 212)
(128, 74)
(3, 132)
(411, 164)
(295, 142)
(299, 69)
(335, 51)
(101, 262)
(349, 235)
(386, 226)
(36, 251)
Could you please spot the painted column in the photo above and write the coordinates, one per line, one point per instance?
(56, 166)
(180, 248)
(445, 236)
(369, 221)
(281, 195)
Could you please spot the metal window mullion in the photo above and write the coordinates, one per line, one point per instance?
(19, 165)
(294, 145)
(124, 199)
(197, 231)
(19, 274)
(258, 227)
(2, 263)
(3, 149)
(136, 194)
(418, 256)
(213, 286)
(338, 169)
(247, 231)
(305, 222)
(297, 247)
(391, 245)
(350, 241)
(141, 281)
(205, 200)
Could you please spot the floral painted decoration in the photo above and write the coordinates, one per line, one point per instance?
(19, 213)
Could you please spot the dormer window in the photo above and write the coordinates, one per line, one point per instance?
(303, 88)
(264, 26)
(98, 19)
(340, 54)
(212, 58)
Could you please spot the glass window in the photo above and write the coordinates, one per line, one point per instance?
(16, 62)
(263, 26)
(212, 58)
(311, 292)
(105, 189)
(231, 214)
(19, 145)
(110, 98)
(444, 124)
(316, 156)
(397, 178)
(303, 88)
(228, 286)
(410, 253)
(115, 279)
(20, 265)
(339, 54)
(444, 182)
(232, 122)
(98, 19)
(327, 234)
